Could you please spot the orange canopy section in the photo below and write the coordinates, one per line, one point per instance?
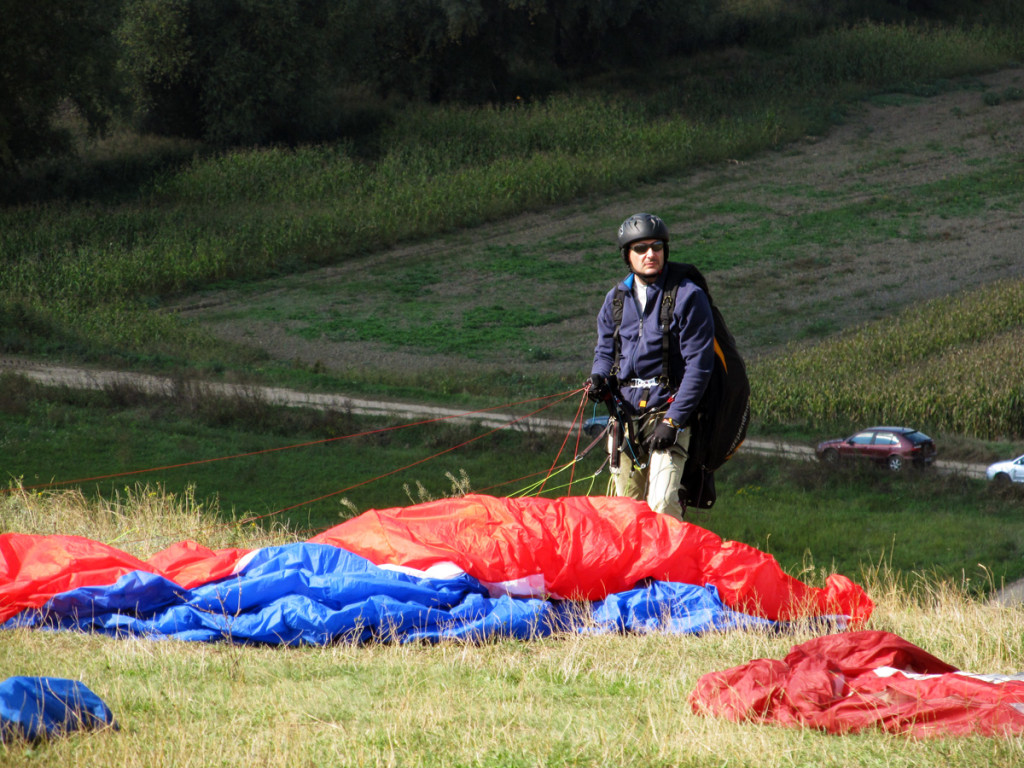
(587, 547)
(34, 568)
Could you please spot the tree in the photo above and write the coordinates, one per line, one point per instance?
(53, 52)
(231, 71)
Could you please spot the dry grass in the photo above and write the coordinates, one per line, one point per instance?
(608, 700)
(140, 520)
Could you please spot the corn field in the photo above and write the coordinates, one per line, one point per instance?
(952, 364)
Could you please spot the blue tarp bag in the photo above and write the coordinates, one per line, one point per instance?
(33, 708)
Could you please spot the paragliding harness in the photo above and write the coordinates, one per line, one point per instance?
(718, 425)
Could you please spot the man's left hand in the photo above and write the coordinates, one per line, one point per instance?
(664, 436)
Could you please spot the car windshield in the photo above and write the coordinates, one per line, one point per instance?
(917, 437)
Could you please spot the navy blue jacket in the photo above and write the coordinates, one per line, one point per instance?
(691, 353)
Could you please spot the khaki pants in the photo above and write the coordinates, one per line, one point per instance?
(653, 478)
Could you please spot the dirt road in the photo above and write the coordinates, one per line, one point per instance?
(88, 378)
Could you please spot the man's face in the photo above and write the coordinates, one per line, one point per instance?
(647, 259)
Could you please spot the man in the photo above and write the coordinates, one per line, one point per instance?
(658, 381)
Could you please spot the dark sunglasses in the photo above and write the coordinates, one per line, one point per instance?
(641, 248)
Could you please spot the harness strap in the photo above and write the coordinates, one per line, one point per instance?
(614, 443)
(668, 302)
(617, 301)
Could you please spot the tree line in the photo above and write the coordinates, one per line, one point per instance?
(249, 72)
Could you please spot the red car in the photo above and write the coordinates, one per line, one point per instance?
(891, 446)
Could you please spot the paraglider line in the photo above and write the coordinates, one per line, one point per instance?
(576, 418)
(562, 396)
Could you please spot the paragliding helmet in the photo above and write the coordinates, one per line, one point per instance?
(641, 226)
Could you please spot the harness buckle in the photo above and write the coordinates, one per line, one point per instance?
(641, 383)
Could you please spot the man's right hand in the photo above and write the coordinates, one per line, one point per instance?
(598, 388)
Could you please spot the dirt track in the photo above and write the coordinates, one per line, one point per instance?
(87, 378)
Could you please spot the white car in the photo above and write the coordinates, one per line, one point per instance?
(1007, 471)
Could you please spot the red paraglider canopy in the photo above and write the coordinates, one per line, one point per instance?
(586, 547)
(870, 679)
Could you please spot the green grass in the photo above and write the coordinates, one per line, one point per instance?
(432, 304)
(853, 520)
(246, 458)
(426, 324)
(563, 701)
(243, 215)
(861, 214)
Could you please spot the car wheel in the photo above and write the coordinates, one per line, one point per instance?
(830, 456)
(1002, 480)
(895, 463)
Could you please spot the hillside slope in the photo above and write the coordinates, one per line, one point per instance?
(911, 197)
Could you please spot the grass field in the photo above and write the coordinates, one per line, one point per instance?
(319, 465)
(563, 700)
(395, 277)
(566, 701)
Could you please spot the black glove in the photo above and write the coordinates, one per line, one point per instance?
(664, 436)
(599, 388)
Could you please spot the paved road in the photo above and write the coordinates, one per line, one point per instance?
(798, 451)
